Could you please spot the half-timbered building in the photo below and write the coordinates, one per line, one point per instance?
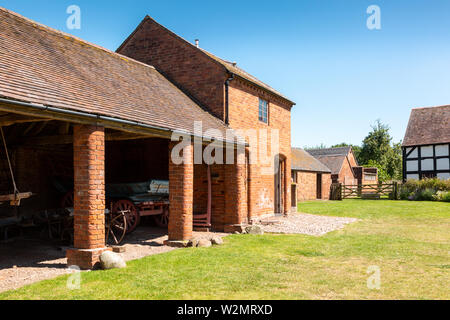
(426, 146)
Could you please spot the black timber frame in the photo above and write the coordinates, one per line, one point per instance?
(419, 158)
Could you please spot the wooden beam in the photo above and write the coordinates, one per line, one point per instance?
(39, 128)
(64, 128)
(30, 127)
(68, 139)
(24, 110)
(10, 119)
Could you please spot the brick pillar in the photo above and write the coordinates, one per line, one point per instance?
(287, 186)
(235, 194)
(181, 196)
(89, 196)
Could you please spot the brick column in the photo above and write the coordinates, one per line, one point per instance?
(235, 194)
(287, 186)
(181, 196)
(89, 196)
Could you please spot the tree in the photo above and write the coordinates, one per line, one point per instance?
(377, 150)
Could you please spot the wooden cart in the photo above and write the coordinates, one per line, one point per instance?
(136, 200)
(139, 200)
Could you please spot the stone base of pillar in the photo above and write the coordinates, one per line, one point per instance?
(232, 228)
(177, 243)
(85, 259)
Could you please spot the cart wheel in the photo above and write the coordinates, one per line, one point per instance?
(162, 220)
(67, 200)
(133, 217)
(116, 228)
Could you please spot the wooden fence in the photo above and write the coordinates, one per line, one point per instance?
(367, 191)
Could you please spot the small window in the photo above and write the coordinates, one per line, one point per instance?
(294, 176)
(263, 110)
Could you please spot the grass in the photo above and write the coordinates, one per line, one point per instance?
(408, 241)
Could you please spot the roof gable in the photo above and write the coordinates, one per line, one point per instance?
(341, 151)
(428, 126)
(44, 66)
(229, 67)
(303, 161)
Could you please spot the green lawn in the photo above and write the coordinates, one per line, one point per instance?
(408, 241)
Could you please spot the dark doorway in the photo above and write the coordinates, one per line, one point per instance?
(280, 164)
(319, 186)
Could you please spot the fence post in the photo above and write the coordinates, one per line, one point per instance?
(395, 190)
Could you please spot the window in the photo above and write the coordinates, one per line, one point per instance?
(263, 110)
(294, 176)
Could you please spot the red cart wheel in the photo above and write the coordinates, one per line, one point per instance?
(162, 220)
(133, 217)
(67, 201)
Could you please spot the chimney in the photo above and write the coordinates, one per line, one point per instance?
(196, 43)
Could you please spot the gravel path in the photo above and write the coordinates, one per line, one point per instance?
(304, 223)
(23, 262)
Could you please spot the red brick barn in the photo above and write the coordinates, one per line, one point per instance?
(229, 93)
(310, 178)
(78, 114)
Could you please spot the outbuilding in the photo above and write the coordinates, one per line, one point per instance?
(76, 116)
(311, 179)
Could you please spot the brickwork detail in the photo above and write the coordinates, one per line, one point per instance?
(244, 102)
(307, 186)
(89, 195)
(181, 195)
(235, 191)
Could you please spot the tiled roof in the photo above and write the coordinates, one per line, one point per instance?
(341, 151)
(233, 68)
(334, 162)
(229, 66)
(428, 126)
(43, 66)
(303, 161)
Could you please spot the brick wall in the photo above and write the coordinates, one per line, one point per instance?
(307, 186)
(243, 114)
(181, 63)
(35, 170)
(346, 175)
(326, 186)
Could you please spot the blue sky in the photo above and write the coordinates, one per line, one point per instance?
(319, 53)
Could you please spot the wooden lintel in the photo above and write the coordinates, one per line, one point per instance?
(68, 139)
(10, 119)
(78, 119)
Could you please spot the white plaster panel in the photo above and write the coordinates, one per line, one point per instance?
(426, 151)
(442, 164)
(427, 164)
(443, 176)
(412, 165)
(442, 150)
